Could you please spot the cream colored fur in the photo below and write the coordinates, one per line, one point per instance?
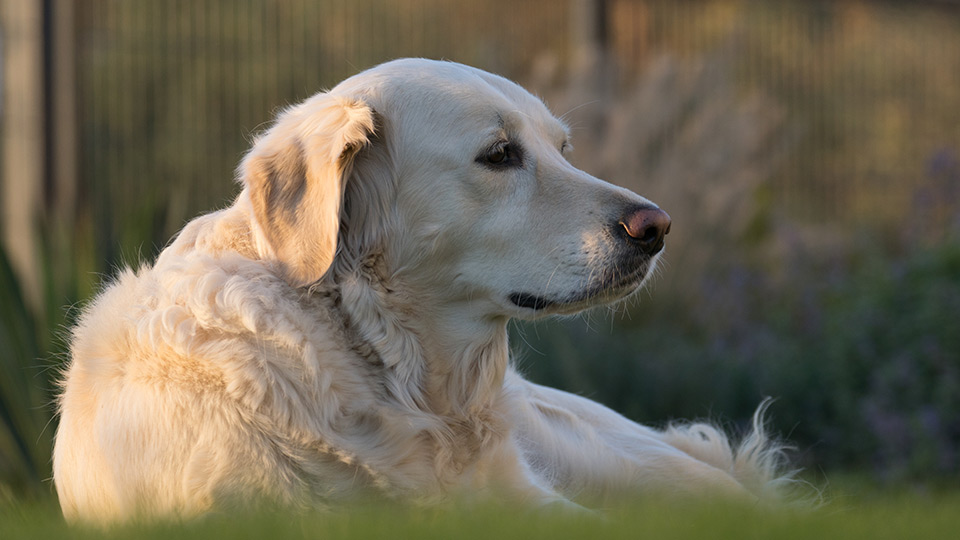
(340, 330)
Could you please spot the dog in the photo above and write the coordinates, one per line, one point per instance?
(340, 330)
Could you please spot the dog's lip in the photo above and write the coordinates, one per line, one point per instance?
(607, 291)
(530, 301)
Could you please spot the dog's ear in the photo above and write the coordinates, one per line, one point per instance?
(295, 176)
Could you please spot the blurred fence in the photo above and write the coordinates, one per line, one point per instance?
(872, 90)
(166, 94)
(121, 120)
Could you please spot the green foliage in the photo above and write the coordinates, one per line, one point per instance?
(32, 344)
(21, 420)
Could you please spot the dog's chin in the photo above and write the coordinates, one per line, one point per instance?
(534, 306)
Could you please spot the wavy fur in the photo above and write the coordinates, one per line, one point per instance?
(340, 330)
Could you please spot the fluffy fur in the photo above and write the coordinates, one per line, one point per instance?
(340, 330)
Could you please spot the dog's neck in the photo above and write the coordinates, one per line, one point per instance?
(466, 362)
(434, 358)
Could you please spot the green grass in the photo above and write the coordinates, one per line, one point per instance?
(865, 515)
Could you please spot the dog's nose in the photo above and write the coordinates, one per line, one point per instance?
(646, 226)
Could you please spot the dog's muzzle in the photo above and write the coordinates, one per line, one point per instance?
(638, 237)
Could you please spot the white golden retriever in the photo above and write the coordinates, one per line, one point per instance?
(341, 329)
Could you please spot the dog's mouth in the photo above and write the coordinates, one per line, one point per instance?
(531, 301)
(611, 287)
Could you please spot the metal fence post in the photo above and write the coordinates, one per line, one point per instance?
(23, 139)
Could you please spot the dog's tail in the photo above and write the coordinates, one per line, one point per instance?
(759, 463)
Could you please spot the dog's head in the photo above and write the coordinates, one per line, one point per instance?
(458, 182)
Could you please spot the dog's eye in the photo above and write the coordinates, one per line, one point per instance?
(503, 154)
(498, 154)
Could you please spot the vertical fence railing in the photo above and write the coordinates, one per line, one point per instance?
(23, 138)
(167, 94)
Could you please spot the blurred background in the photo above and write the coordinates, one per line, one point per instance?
(808, 152)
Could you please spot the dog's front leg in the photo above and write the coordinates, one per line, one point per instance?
(504, 472)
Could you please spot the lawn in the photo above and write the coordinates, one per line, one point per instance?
(868, 515)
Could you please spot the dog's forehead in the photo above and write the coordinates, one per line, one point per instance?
(439, 91)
